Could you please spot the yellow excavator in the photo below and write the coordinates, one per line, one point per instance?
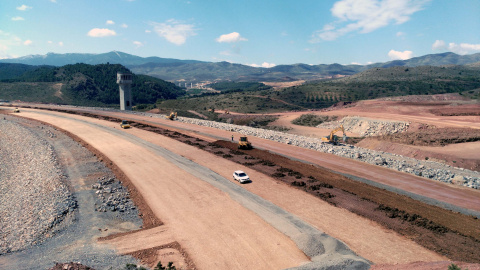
(17, 110)
(332, 138)
(243, 143)
(172, 116)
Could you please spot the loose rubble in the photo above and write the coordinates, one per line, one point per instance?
(34, 197)
(428, 169)
(112, 196)
(367, 127)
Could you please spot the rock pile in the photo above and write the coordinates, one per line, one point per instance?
(112, 196)
(428, 169)
(367, 127)
(34, 199)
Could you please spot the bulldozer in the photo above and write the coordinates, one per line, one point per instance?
(17, 110)
(172, 116)
(332, 138)
(243, 143)
(125, 124)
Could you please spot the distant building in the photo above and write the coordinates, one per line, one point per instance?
(124, 81)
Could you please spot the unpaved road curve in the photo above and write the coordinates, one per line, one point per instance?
(216, 232)
(365, 237)
(457, 196)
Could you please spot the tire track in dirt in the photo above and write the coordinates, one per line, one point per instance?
(321, 248)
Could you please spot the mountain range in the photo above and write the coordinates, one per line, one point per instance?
(193, 71)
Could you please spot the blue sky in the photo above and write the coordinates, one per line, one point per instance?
(252, 32)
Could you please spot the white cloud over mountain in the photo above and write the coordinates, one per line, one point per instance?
(174, 31)
(101, 32)
(229, 38)
(396, 55)
(462, 48)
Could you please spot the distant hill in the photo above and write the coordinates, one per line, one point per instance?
(83, 84)
(191, 71)
(114, 57)
(369, 84)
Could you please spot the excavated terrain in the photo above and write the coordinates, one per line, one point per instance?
(432, 136)
(451, 234)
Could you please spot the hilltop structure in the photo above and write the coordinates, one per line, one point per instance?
(124, 81)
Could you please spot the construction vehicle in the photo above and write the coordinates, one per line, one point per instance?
(16, 110)
(332, 138)
(243, 143)
(124, 124)
(172, 116)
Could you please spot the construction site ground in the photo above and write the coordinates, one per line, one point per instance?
(201, 226)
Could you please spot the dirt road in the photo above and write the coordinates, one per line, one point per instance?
(224, 228)
(454, 195)
(217, 232)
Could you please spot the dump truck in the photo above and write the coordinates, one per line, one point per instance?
(243, 143)
(332, 138)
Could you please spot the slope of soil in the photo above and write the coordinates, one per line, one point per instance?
(434, 136)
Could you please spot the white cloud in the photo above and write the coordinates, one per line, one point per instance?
(7, 41)
(101, 32)
(174, 31)
(110, 22)
(355, 63)
(124, 25)
(366, 16)
(27, 42)
(396, 55)
(462, 48)
(59, 43)
(229, 38)
(400, 34)
(264, 65)
(148, 31)
(137, 44)
(439, 45)
(53, 1)
(18, 18)
(23, 7)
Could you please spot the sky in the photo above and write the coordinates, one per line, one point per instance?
(251, 32)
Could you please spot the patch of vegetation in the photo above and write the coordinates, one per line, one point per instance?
(278, 174)
(238, 86)
(312, 120)
(86, 85)
(412, 218)
(298, 184)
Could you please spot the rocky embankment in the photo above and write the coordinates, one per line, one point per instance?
(427, 169)
(112, 196)
(34, 197)
(367, 127)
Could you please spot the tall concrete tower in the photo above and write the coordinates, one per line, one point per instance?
(124, 81)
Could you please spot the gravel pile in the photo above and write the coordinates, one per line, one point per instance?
(34, 198)
(428, 169)
(112, 196)
(367, 127)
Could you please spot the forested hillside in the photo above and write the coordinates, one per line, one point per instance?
(83, 84)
